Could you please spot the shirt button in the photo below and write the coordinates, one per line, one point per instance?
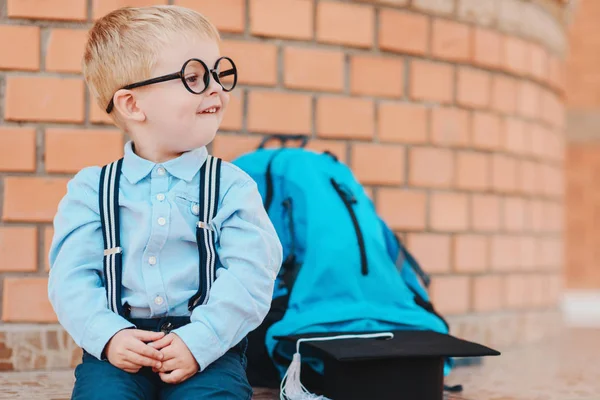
(152, 260)
(158, 300)
(195, 209)
(160, 197)
(160, 171)
(162, 221)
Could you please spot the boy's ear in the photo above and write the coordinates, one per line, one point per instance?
(126, 103)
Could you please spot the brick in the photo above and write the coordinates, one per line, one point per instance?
(18, 248)
(450, 127)
(450, 294)
(256, 61)
(339, 117)
(103, 7)
(449, 211)
(538, 62)
(481, 12)
(65, 50)
(472, 170)
(528, 99)
(538, 139)
(504, 94)
(376, 76)
(487, 46)
(471, 253)
(48, 236)
(485, 213)
(32, 199)
(226, 15)
(70, 150)
(412, 28)
(26, 300)
(98, 115)
(335, 147)
(432, 251)
(514, 136)
(514, 55)
(19, 47)
(313, 69)
(504, 173)
(551, 253)
(504, 252)
(430, 167)
(528, 252)
(368, 159)
(65, 10)
(229, 147)
(514, 214)
(269, 112)
(402, 123)
(17, 149)
(451, 40)
(402, 209)
(44, 99)
(516, 291)
(537, 215)
(436, 6)
(346, 24)
(488, 293)
(292, 19)
(552, 110)
(233, 118)
(431, 81)
(486, 131)
(474, 88)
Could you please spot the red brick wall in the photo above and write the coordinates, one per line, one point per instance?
(447, 112)
(582, 206)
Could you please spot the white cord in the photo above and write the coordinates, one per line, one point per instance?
(291, 388)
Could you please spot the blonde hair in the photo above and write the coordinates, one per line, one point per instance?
(123, 46)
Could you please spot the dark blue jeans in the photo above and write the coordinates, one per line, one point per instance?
(224, 379)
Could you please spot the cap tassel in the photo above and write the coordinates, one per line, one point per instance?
(292, 389)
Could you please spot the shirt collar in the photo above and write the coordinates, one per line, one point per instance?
(185, 167)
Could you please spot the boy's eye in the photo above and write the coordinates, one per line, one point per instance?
(191, 79)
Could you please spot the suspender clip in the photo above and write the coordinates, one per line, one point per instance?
(114, 250)
(204, 225)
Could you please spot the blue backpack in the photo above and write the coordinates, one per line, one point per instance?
(344, 269)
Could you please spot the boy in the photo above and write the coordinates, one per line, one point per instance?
(152, 319)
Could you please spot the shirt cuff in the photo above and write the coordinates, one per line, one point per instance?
(202, 343)
(100, 330)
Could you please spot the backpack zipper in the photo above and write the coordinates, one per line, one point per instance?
(349, 200)
(288, 205)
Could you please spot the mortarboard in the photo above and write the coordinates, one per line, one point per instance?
(407, 364)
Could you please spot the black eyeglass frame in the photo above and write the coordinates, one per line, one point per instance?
(179, 75)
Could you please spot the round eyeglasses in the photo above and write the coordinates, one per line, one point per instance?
(195, 76)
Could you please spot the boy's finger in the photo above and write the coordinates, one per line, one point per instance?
(145, 350)
(147, 336)
(168, 353)
(141, 360)
(160, 343)
(169, 366)
(174, 377)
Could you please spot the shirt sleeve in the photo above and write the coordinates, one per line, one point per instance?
(75, 285)
(250, 253)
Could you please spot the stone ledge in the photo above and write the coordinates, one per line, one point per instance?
(25, 347)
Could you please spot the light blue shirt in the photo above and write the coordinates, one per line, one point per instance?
(160, 260)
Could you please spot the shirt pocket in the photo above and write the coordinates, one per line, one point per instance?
(189, 208)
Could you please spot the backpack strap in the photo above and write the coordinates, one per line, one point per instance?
(109, 217)
(210, 175)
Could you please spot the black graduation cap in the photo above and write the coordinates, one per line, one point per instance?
(407, 366)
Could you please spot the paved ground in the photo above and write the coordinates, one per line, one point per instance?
(564, 368)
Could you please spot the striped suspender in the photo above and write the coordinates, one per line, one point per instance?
(109, 206)
(210, 174)
(209, 198)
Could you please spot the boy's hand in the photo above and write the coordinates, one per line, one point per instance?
(128, 351)
(178, 362)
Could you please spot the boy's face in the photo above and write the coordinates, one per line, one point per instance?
(176, 119)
